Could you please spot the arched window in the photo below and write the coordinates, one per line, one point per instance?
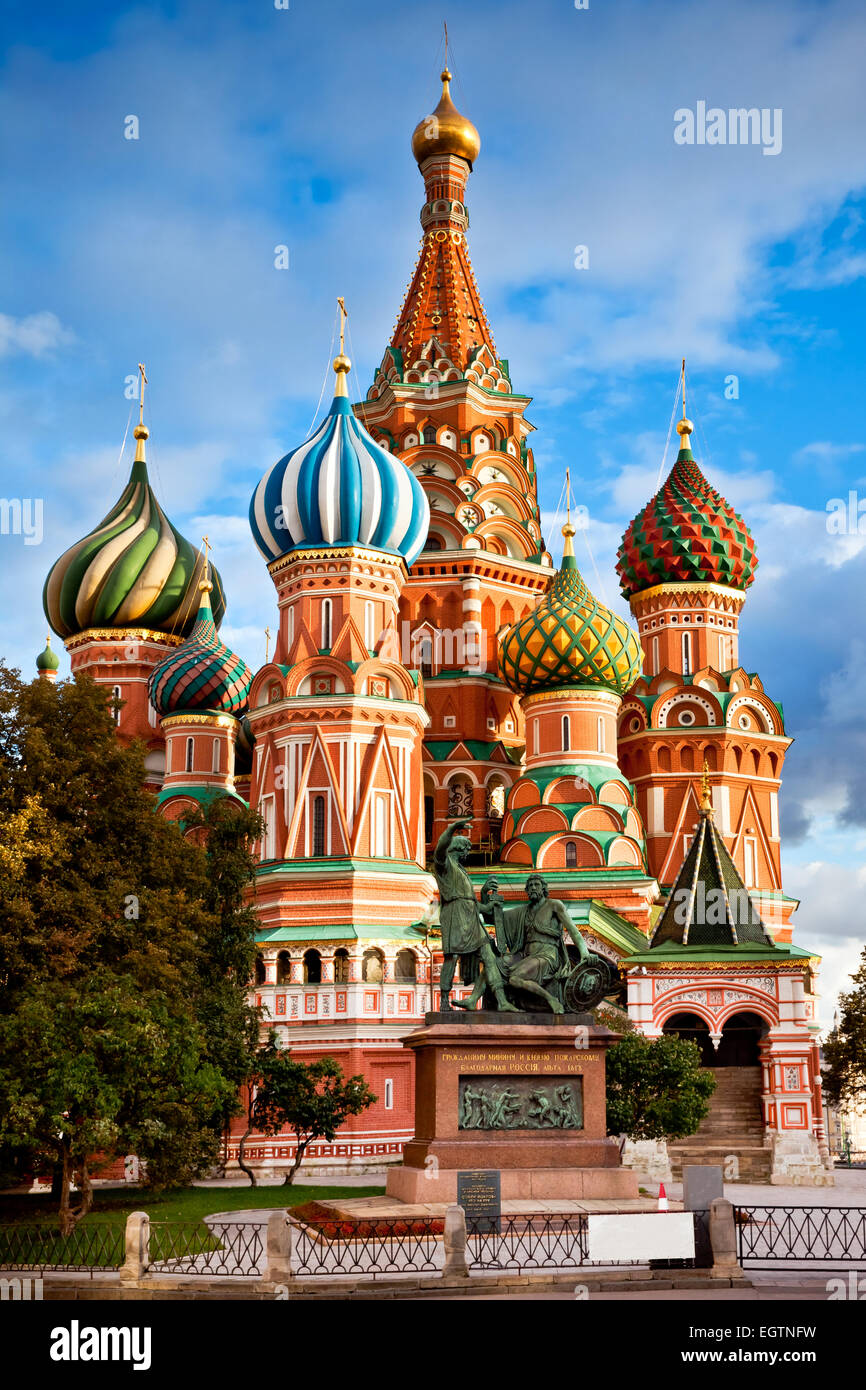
(341, 966)
(327, 608)
(290, 627)
(373, 968)
(318, 827)
(429, 434)
(190, 753)
(312, 968)
(599, 728)
(261, 973)
(406, 966)
(566, 733)
(382, 808)
(571, 855)
(115, 697)
(369, 625)
(535, 736)
(216, 755)
(687, 653)
(655, 661)
(284, 968)
(424, 655)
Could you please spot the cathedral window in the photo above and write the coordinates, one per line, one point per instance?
(406, 966)
(115, 701)
(382, 826)
(373, 970)
(312, 968)
(216, 755)
(389, 1093)
(327, 609)
(261, 972)
(750, 854)
(341, 966)
(571, 855)
(655, 669)
(190, 754)
(318, 827)
(687, 653)
(566, 733)
(284, 968)
(369, 625)
(600, 733)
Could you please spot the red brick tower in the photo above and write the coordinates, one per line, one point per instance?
(685, 563)
(442, 401)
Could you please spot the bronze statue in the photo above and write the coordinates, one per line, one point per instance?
(536, 929)
(462, 932)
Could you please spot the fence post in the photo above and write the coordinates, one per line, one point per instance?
(278, 1248)
(137, 1248)
(723, 1237)
(454, 1244)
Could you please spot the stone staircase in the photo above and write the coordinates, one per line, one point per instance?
(732, 1128)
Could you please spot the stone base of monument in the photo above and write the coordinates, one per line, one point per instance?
(520, 1093)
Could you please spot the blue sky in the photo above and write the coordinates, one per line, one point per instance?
(261, 127)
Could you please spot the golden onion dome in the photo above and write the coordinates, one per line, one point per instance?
(569, 639)
(445, 131)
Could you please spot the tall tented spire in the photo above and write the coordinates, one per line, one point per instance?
(442, 322)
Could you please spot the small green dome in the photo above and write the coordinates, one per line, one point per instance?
(47, 660)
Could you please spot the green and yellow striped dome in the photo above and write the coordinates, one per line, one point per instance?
(133, 570)
(570, 639)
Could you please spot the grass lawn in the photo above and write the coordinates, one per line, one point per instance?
(111, 1206)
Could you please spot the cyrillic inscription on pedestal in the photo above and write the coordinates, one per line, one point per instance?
(524, 1102)
(478, 1193)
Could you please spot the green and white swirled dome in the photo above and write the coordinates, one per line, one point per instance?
(133, 570)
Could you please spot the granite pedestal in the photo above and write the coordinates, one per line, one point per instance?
(549, 1148)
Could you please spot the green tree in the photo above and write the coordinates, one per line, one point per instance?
(845, 1048)
(125, 951)
(313, 1098)
(656, 1088)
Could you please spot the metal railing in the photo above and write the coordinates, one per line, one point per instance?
(91, 1247)
(190, 1247)
(804, 1238)
(552, 1241)
(371, 1248)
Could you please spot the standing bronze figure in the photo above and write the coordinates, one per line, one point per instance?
(462, 932)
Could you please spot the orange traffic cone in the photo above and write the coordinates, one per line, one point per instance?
(663, 1201)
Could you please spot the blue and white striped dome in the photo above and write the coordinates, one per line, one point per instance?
(340, 488)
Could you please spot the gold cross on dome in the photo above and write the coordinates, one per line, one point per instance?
(343, 316)
(142, 385)
(267, 644)
(206, 543)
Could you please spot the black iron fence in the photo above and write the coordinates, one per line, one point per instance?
(372, 1248)
(524, 1243)
(191, 1247)
(90, 1248)
(801, 1238)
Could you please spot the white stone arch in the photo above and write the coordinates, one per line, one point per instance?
(760, 711)
(684, 697)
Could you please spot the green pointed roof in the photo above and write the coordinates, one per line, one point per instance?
(709, 905)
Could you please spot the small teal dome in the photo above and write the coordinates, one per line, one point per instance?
(340, 488)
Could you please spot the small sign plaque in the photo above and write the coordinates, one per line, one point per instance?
(478, 1193)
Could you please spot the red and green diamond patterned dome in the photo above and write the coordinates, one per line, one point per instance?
(203, 674)
(687, 533)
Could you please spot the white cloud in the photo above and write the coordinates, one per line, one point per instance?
(35, 335)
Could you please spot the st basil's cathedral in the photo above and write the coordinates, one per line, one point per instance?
(430, 663)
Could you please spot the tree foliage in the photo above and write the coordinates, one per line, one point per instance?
(845, 1048)
(656, 1087)
(125, 951)
(313, 1098)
